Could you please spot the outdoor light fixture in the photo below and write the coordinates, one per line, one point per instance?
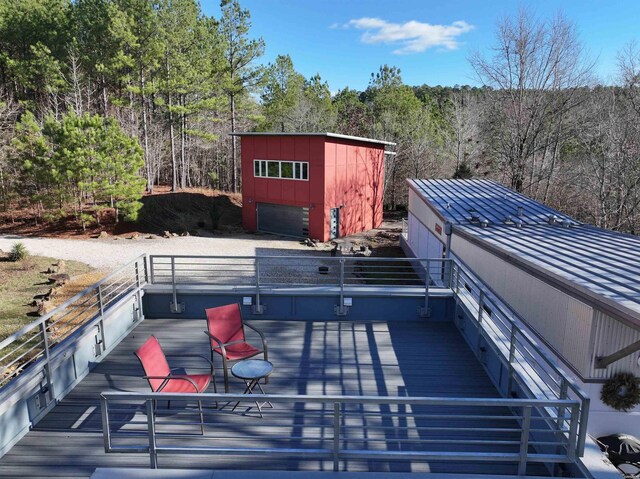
(348, 302)
(247, 301)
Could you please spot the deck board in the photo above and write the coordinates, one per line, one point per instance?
(395, 358)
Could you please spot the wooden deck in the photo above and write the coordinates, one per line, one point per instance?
(378, 359)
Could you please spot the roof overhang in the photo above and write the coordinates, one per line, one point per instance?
(326, 135)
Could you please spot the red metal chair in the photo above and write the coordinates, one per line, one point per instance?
(160, 376)
(226, 334)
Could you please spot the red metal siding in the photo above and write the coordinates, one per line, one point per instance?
(306, 194)
(354, 181)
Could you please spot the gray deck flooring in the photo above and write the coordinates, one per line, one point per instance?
(379, 359)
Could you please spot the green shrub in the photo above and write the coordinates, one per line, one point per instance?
(19, 252)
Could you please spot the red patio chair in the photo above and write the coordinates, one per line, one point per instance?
(160, 376)
(225, 329)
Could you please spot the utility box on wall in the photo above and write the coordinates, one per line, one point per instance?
(311, 185)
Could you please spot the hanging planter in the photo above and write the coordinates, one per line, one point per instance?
(621, 392)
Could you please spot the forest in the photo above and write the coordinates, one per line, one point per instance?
(101, 100)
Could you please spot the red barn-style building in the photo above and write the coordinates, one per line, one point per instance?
(316, 185)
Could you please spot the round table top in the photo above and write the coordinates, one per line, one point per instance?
(252, 369)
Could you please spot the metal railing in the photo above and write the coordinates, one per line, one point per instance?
(529, 365)
(268, 273)
(345, 428)
(293, 271)
(35, 344)
(405, 228)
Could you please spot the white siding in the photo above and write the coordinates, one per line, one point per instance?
(563, 321)
(611, 336)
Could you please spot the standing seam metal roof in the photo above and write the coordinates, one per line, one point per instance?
(602, 262)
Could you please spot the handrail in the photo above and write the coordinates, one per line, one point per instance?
(348, 427)
(33, 342)
(499, 324)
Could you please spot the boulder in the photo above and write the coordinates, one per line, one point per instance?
(59, 278)
(103, 234)
(134, 236)
(44, 307)
(166, 234)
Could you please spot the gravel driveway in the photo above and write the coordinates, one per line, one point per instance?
(109, 253)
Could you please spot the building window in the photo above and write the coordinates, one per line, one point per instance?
(288, 170)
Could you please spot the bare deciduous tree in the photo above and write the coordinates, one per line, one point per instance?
(535, 73)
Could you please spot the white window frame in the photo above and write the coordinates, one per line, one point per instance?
(298, 168)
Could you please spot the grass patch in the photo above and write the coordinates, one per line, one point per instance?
(21, 281)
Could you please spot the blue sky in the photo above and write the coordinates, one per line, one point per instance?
(430, 41)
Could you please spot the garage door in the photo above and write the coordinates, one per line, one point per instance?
(284, 220)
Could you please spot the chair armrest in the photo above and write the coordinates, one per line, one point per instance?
(178, 378)
(261, 334)
(222, 345)
(191, 356)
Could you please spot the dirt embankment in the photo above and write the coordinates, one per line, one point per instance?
(194, 211)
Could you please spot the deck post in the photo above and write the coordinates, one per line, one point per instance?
(336, 436)
(524, 440)
(424, 311)
(151, 431)
(341, 309)
(512, 357)
(152, 269)
(562, 396)
(174, 306)
(574, 443)
(258, 308)
(47, 367)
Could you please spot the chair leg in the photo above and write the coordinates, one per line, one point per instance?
(226, 374)
(266, 358)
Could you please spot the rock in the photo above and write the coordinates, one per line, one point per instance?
(134, 236)
(59, 278)
(185, 233)
(116, 238)
(174, 234)
(166, 234)
(150, 237)
(103, 234)
(309, 243)
(44, 307)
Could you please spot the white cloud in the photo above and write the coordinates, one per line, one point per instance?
(412, 36)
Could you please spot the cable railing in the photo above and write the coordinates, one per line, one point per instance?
(344, 429)
(269, 273)
(294, 271)
(35, 344)
(529, 365)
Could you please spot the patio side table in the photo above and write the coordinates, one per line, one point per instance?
(251, 371)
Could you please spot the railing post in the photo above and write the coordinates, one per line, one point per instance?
(175, 307)
(524, 440)
(139, 313)
(480, 307)
(106, 426)
(512, 357)
(336, 437)
(341, 309)
(573, 446)
(258, 308)
(584, 419)
(562, 396)
(152, 269)
(424, 311)
(151, 431)
(47, 367)
(100, 302)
